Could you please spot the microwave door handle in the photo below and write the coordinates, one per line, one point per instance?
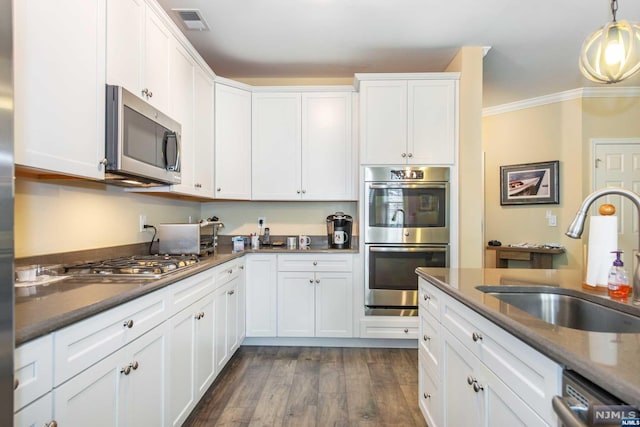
(165, 143)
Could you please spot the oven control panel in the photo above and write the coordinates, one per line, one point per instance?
(407, 174)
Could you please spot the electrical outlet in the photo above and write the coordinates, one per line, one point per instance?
(142, 222)
(262, 221)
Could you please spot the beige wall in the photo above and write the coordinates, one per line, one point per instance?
(283, 218)
(558, 131)
(542, 133)
(53, 218)
(468, 62)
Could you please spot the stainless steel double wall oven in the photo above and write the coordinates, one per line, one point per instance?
(406, 225)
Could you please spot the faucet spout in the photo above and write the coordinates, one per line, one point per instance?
(577, 226)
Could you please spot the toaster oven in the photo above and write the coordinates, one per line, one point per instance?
(184, 239)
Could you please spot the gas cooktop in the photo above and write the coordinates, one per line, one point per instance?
(139, 266)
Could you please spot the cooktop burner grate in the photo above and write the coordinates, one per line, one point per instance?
(152, 266)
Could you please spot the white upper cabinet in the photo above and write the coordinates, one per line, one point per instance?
(302, 146)
(203, 160)
(232, 143)
(409, 121)
(59, 82)
(138, 50)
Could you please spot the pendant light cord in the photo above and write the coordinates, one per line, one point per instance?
(614, 9)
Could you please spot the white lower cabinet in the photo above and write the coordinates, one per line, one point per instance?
(124, 389)
(317, 302)
(144, 363)
(472, 372)
(261, 295)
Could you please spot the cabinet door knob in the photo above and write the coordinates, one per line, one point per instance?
(135, 365)
(304, 191)
(241, 267)
(16, 383)
(476, 337)
(218, 189)
(231, 292)
(126, 370)
(310, 280)
(427, 396)
(52, 423)
(317, 280)
(128, 324)
(315, 262)
(427, 297)
(298, 191)
(406, 234)
(477, 387)
(410, 155)
(104, 162)
(470, 379)
(404, 155)
(426, 338)
(406, 330)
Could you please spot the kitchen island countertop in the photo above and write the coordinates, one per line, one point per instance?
(611, 360)
(42, 309)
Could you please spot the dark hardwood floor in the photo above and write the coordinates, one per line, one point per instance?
(314, 386)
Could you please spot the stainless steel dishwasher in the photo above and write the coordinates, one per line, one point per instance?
(585, 404)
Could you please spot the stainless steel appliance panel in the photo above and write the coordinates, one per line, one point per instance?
(391, 279)
(142, 143)
(408, 205)
(7, 339)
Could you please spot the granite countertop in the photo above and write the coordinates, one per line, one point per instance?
(42, 309)
(611, 360)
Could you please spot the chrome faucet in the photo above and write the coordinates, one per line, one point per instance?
(577, 226)
(395, 214)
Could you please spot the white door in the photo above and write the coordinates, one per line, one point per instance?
(296, 304)
(261, 295)
(617, 164)
(334, 305)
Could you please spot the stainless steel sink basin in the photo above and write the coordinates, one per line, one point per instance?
(560, 307)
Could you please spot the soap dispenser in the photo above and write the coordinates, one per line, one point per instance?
(618, 282)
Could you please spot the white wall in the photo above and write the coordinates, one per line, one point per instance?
(54, 218)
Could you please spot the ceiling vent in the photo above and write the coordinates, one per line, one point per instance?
(192, 19)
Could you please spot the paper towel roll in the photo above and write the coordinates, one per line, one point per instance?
(603, 238)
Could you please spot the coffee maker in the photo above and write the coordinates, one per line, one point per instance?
(339, 230)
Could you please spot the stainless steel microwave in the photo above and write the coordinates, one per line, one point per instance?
(142, 143)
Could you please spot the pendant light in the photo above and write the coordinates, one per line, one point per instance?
(612, 53)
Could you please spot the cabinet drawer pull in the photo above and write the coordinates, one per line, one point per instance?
(406, 330)
(128, 324)
(135, 365)
(52, 423)
(103, 162)
(231, 292)
(404, 155)
(427, 396)
(410, 155)
(470, 380)
(477, 387)
(317, 280)
(298, 191)
(16, 383)
(241, 267)
(311, 281)
(427, 297)
(126, 370)
(315, 262)
(426, 338)
(304, 191)
(476, 337)
(218, 189)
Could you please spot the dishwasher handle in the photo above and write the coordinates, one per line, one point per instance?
(565, 413)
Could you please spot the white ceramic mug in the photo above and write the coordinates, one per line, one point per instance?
(291, 242)
(304, 241)
(340, 237)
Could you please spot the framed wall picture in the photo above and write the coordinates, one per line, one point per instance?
(530, 183)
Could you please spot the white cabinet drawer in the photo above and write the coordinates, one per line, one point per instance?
(430, 343)
(227, 271)
(38, 413)
(315, 262)
(84, 343)
(526, 371)
(188, 291)
(33, 370)
(429, 299)
(387, 327)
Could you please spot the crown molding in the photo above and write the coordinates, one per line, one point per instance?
(568, 95)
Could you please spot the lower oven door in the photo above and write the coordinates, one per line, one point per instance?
(391, 282)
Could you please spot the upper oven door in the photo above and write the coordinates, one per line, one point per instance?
(407, 213)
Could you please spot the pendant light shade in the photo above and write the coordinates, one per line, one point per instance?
(612, 53)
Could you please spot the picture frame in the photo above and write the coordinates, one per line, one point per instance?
(530, 183)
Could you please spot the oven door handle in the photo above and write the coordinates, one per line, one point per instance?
(434, 185)
(565, 413)
(407, 249)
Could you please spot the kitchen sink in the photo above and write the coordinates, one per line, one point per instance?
(566, 308)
